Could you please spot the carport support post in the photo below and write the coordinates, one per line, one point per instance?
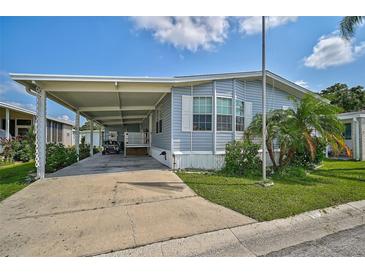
(100, 137)
(77, 134)
(40, 158)
(91, 137)
(7, 123)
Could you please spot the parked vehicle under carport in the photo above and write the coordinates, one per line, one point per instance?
(111, 147)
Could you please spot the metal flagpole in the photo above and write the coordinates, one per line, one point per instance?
(263, 102)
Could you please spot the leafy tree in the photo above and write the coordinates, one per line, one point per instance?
(349, 99)
(86, 126)
(349, 24)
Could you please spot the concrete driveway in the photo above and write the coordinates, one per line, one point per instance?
(104, 204)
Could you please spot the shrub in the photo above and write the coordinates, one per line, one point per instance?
(17, 149)
(22, 150)
(58, 156)
(8, 149)
(302, 157)
(242, 158)
(84, 149)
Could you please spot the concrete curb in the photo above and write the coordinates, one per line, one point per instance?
(258, 239)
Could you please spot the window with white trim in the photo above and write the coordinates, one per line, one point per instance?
(202, 113)
(224, 114)
(240, 115)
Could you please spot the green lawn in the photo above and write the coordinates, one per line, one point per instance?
(12, 177)
(336, 182)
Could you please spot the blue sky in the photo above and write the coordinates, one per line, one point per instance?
(306, 50)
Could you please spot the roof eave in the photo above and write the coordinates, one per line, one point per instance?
(29, 80)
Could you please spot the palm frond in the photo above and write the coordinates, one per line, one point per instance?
(349, 24)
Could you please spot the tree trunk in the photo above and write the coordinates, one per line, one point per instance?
(290, 155)
(310, 144)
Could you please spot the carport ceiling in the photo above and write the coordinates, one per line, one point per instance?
(111, 106)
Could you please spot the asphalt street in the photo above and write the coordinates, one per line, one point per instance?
(347, 243)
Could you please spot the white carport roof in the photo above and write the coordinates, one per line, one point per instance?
(113, 100)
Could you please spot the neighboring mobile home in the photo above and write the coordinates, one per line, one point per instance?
(183, 122)
(355, 133)
(16, 121)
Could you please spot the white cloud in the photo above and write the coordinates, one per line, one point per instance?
(65, 118)
(8, 85)
(331, 50)
(253, 24)
(191, 33)
(302, 83)
(360, 49)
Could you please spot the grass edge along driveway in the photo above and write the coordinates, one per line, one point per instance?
(336, 182)
(13, 177)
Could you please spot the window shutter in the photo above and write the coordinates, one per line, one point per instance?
(248, 114)
(187, 113)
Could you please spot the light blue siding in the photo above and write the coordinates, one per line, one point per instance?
(163, 139)
(249, 91)
(240, 90)
(278, 99)
(224, 88)
(222, 139)
(252, 93)
(202, 141)
(203, 90)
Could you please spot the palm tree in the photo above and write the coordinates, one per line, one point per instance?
(299, 127)
(315, 118)
(348, 25)
(280, 131)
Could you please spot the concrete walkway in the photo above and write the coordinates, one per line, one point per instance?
(259, 239)
(104, 204)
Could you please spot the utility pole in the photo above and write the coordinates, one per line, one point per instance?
(263, 101)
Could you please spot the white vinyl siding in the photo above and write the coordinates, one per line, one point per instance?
(187, 113)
